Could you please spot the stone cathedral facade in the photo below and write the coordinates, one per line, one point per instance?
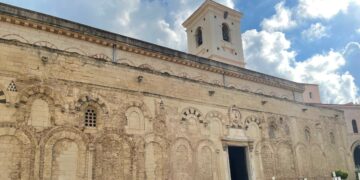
(80, 103)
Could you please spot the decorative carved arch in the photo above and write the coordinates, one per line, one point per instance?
(45, 44)
(126, 62)
(185, 168)
(4, 97)
(167, 71)
(139, 104)
(51, 139)
(216, 114)
(354, 145)
(96, 101)
(101, 56)
(28, 95)
(216, 82)
(29, 144)
(253, 119)
(147, 67)
(161, 159)
(191, 112)
(213, 170)
(136, 157)
(15, 37)
(76, 50)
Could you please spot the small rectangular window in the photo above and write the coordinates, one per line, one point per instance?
(310, 95)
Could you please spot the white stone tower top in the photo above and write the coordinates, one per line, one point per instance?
(213, 31)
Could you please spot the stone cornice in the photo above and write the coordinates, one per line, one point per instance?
(47, 23)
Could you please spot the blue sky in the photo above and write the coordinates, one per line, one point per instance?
(310, 41)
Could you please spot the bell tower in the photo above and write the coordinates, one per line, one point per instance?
(213, 31)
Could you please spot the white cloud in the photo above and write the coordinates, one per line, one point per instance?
(324, 69)
(358, 31)
(315, 31)
(282, 20)
(270, 52)
(324, 9)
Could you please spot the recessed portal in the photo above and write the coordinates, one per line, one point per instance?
(238, 163)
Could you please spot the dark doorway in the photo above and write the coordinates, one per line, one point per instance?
(357, 156)
(238, 165)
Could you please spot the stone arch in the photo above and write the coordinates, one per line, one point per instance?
(138, 113)
(317, 155)
(200, 77)
(101, 56)
(147, 67)
(76, 50)
(16, 37)
(216, 82)
(63, 150)
(267, 159)
(4, 97)
(260, 91)
(45, 44)
(253, 119)
(25, 103)
(303, 160)
(156, 157)
(285, 97)
(246, 88)
(231, 86)
(272, 93)
(216, 122)
(285, 164)
(94, 103)
(278, 127)
(183, 74)
(167, 71)
(113, 159)
(126, 62)
(17, 147)
(355, 152)
(191, 118)
(181, 160)
(206, 161)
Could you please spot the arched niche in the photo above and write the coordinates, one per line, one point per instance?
(17, 153)
(37, 105)
(267, 158)
(92, 113)
(356, 154)
(156, 157)
(137, 117)
(207, 161)
(215, 121)
(285, 164)
(181, 160)
(317, 155)
(64, 155)
(303, 160)
(113, 159)
(39, 114)
(253, 125)
(191, 119)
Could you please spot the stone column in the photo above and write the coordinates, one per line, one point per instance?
(90, 161)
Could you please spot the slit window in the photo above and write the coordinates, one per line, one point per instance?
(198, 36)
(354, 126)
(225, 32)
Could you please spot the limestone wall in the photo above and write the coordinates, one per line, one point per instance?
(149, 125)
(96, 50)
